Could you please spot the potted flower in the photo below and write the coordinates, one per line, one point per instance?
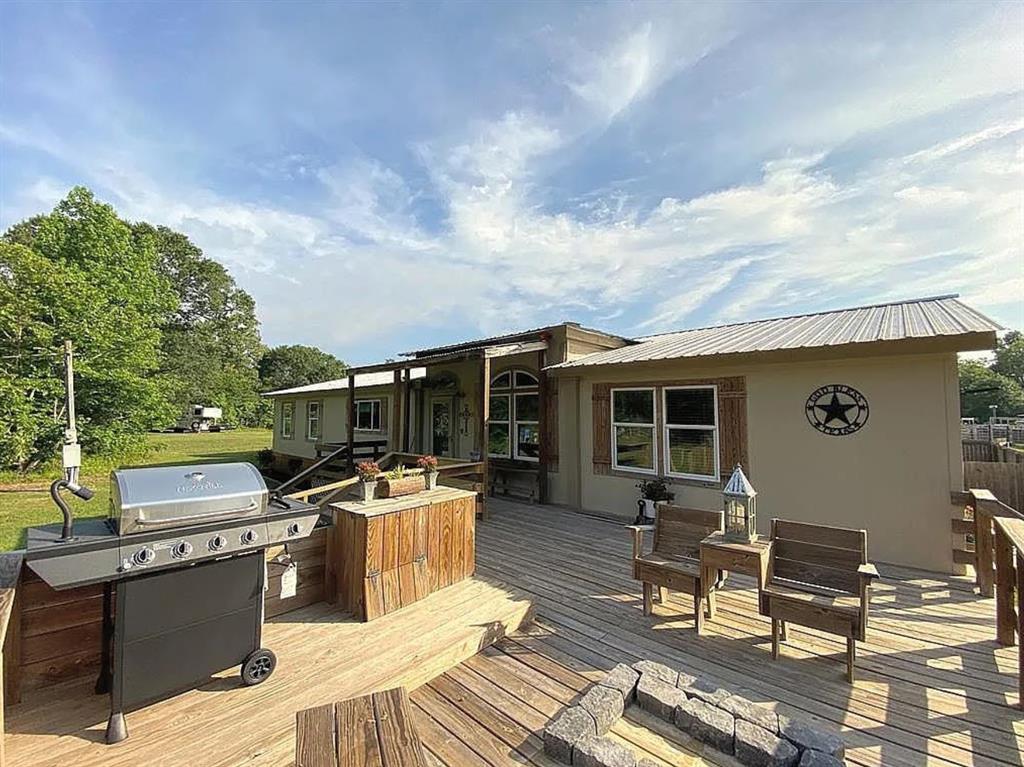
(396, 482)
(652, 493)
(429, 465)
(367, 471)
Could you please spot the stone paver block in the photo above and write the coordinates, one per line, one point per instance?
(605, 705)
(707, 690)
(706, 723)
(805, 735)
(813, 758)
(757, 747)
(592, 751)
(624, 679)
(663, 672)
(742, 708)
(563, 733)
(657, 696)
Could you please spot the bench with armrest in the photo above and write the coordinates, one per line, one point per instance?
(820, 577)
(674, 560)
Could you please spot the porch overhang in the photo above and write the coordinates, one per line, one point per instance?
(480, 352)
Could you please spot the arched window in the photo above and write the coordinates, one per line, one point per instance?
(513, 430)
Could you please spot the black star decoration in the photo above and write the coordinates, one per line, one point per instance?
(835, 411)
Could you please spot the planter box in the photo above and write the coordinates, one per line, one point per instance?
(393, 488)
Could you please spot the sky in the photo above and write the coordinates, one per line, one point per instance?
(385, 177)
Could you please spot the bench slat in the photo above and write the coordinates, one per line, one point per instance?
(400, 744)
(314, 737)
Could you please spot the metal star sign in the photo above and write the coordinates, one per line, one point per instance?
(837, 410)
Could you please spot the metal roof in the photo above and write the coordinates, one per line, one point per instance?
(916, 318)
(480, 343)
(363, 380)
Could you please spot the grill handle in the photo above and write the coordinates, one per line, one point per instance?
(253, 506)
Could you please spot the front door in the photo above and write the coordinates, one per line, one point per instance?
(441, 427)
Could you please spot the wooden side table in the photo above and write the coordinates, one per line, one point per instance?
(720, 554)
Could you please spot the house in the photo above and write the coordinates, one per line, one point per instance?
(848, 417)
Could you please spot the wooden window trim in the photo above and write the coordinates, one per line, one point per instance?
(380, 416)
(319, 420)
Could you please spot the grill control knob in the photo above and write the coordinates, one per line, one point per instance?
(249, 537)
(294, 529)
(181, 550)
(144, 556)
(217, 543)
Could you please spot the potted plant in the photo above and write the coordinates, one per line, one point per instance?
(367, 471)
(396, 483)
(429, 465)
(652, 493)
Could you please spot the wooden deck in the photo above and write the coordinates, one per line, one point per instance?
(933, 686)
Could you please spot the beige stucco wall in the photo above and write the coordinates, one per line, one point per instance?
(334, 426)
(893, 477)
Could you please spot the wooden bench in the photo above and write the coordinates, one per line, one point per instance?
(818, 576)
(503, 477)
(371, 731)
(674, 560)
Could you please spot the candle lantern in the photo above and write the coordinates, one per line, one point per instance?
(740, 500)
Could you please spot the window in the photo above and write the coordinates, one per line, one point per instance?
(513, 429)
(313, 410)
(633, 430)
(368, 414)
(287, 419)
(691, 432)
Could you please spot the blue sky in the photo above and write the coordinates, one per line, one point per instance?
(384, 177)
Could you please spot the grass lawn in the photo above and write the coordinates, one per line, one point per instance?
(23, 508)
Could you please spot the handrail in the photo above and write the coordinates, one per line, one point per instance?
(309, 471)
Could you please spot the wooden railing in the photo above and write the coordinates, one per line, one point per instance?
(999, 569)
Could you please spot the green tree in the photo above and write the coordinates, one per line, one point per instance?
(982, 386)
(211, 343)
(1010, 356)
(286, 366)
(78, 273)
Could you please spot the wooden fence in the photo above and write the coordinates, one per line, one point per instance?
(1004, 480)
(985, 450)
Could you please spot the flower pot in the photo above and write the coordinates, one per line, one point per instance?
(393, 488)
(367, 490)
(431, 480)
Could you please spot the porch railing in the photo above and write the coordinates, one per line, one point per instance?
(999, 568)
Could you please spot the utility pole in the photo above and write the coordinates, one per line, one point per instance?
(72, 452)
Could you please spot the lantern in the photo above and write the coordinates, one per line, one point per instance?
(740, 499)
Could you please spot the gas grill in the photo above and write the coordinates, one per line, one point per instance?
(181, 559)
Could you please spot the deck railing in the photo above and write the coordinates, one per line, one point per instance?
(999, 568)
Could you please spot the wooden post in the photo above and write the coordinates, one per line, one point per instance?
(407, 406)
(1006, 619)
(351, 423)
(542, 425)
(1020, 629)
(396, 445)
(983, 549)
(485, 416)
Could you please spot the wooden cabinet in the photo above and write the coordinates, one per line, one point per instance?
(388, 553)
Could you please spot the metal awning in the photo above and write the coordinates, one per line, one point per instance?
(482, 352)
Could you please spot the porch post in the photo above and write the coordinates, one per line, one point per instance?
(399, 402)
(407, 404)
(485, 416)
(351, 423)
(542, 425)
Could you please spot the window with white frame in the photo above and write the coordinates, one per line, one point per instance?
(287, 419)
(368, 415)
(633, 437)
(313, 413)
(691, 432)
(513, 429)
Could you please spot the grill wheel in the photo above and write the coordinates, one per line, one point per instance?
(258, 667)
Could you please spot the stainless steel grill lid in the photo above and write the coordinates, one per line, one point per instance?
(160, 497)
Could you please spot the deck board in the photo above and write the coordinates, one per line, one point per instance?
(934, 688)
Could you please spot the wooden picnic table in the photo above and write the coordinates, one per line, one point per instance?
(374, 730)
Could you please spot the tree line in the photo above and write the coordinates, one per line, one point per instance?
(999, 382)
(157, 326)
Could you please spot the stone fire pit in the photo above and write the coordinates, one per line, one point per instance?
(753, 733)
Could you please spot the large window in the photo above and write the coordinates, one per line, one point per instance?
(287, 419)
(513, 430)
(633, 430)
(691, 432)
(313, 412)
(368, 414)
